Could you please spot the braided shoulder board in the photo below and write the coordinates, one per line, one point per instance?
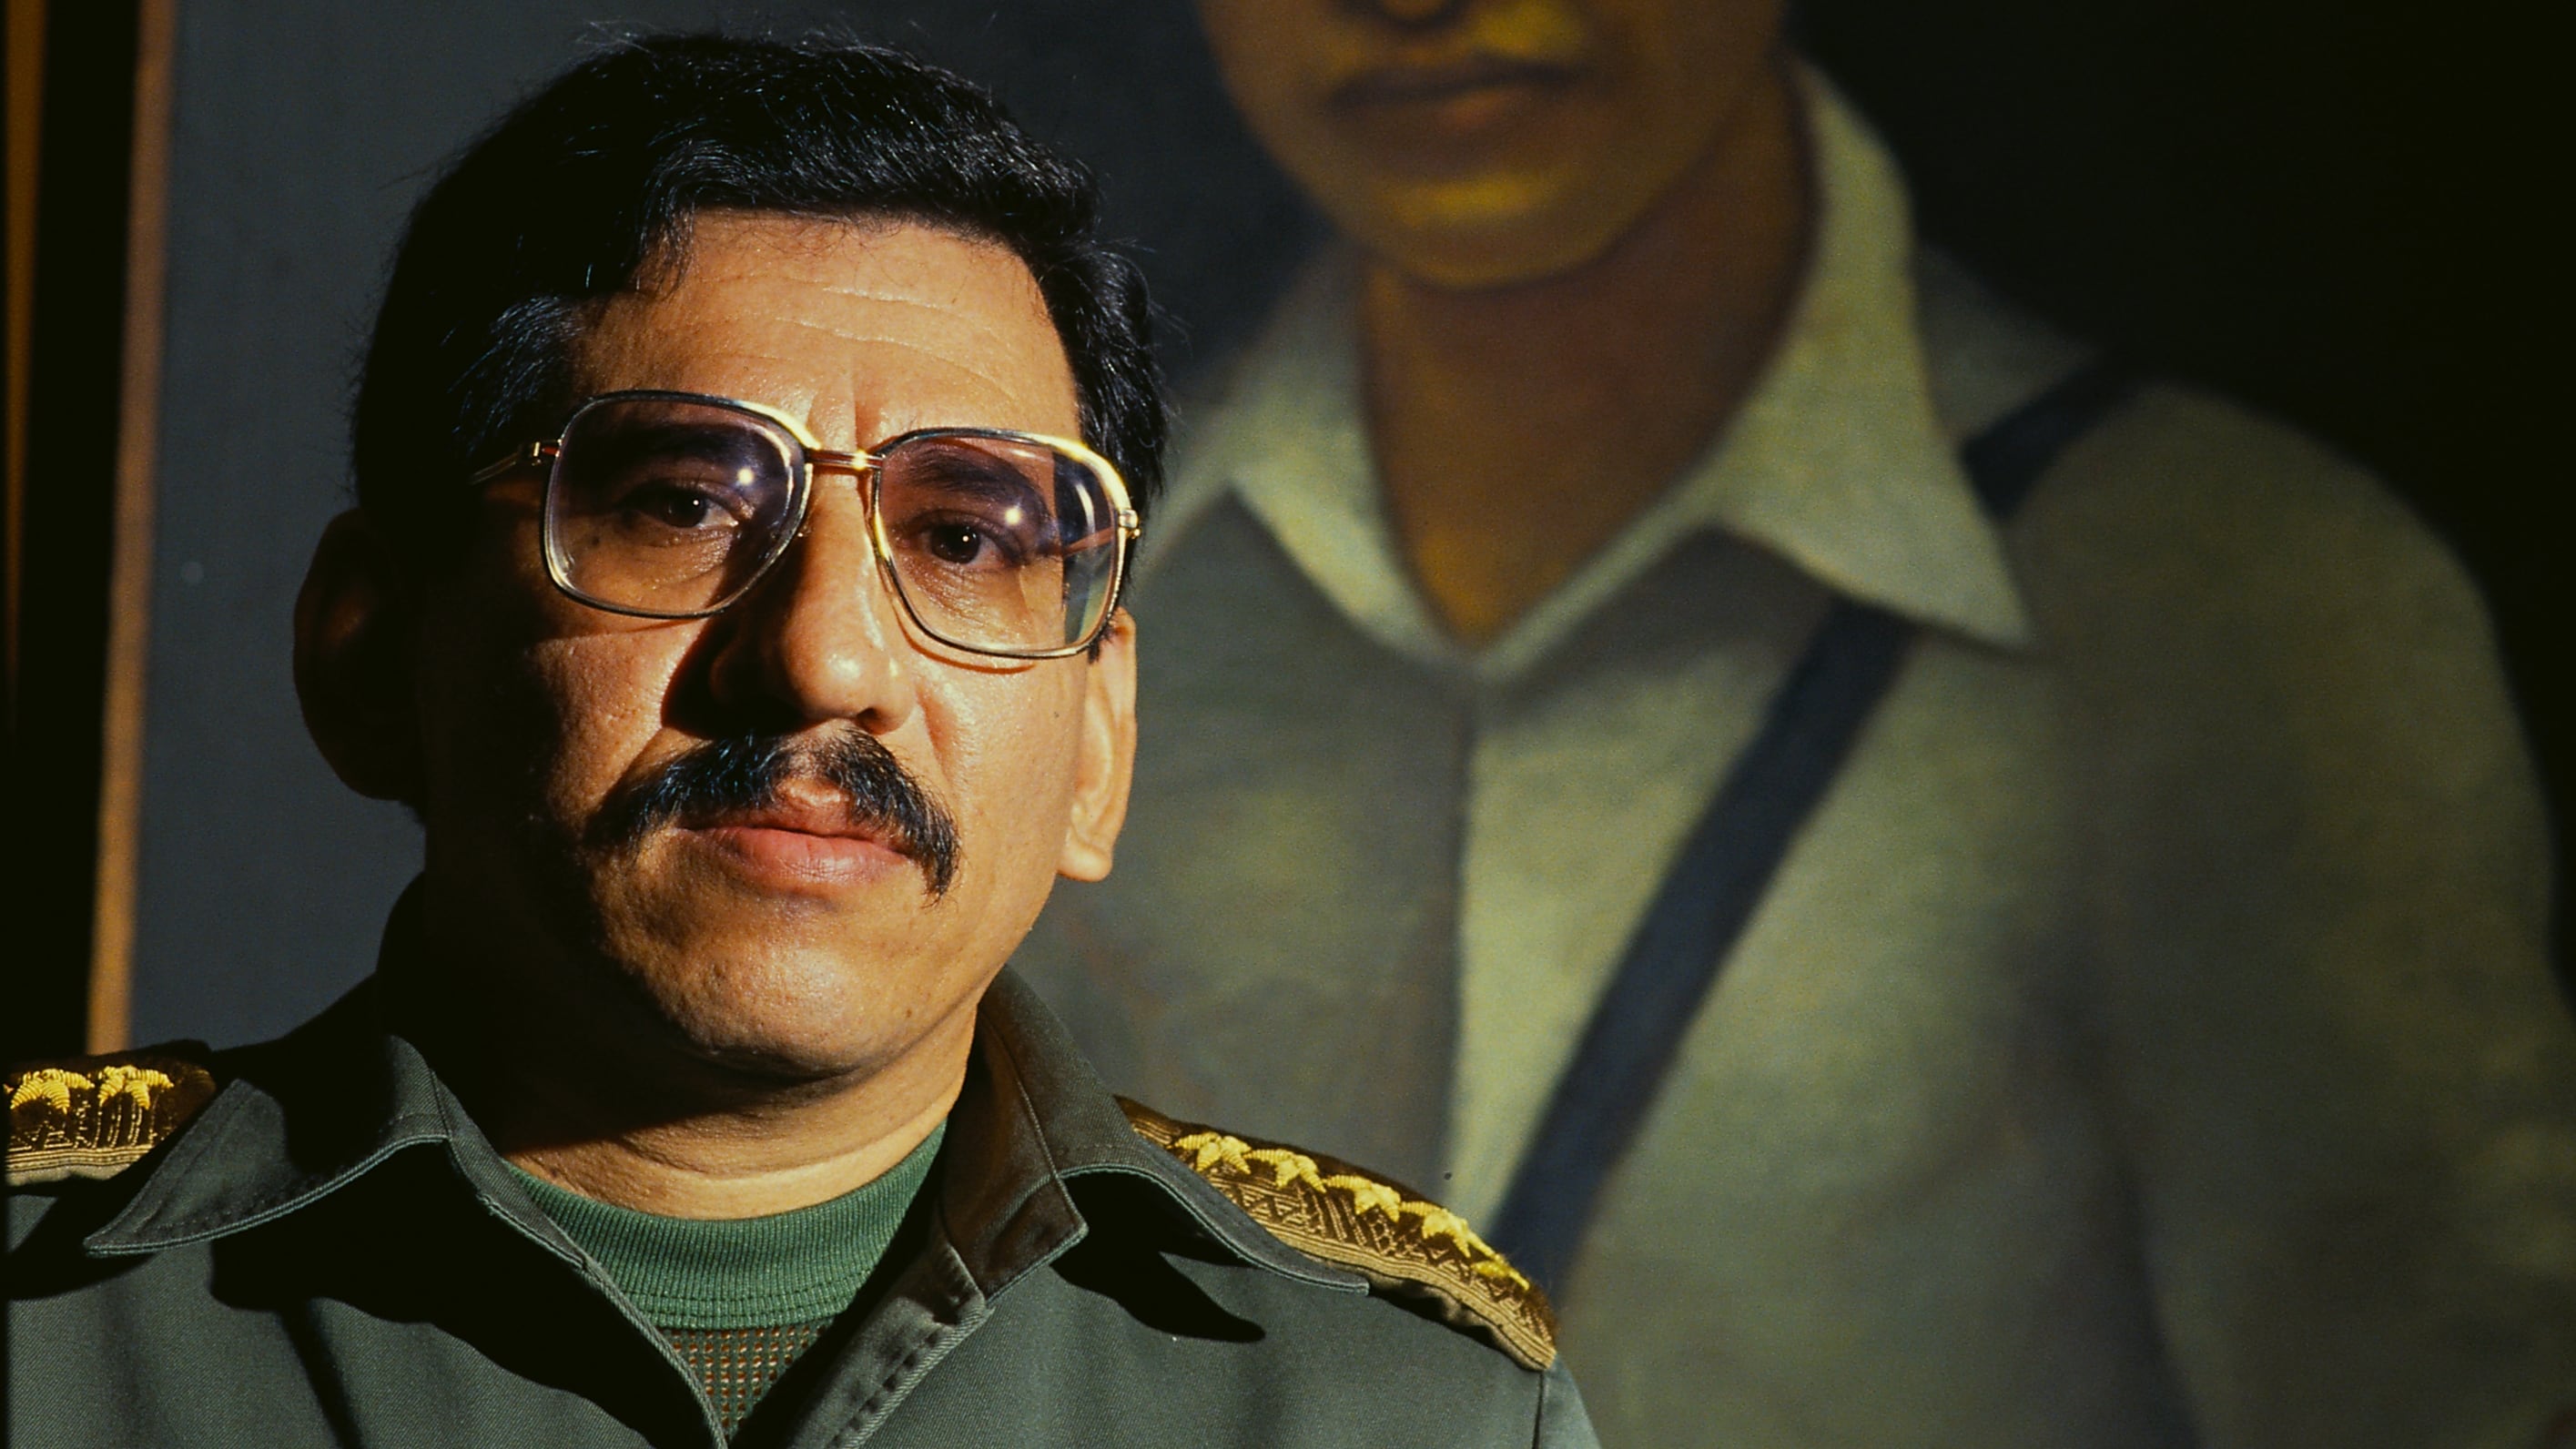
(1404, 1245)
(97, 1116)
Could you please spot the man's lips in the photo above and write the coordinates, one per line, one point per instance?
(1434, 83)
(803, 844)
(825, 820)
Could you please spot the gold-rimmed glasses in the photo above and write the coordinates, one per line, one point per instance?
(671, 505)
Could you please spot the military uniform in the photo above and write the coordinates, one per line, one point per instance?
(309, 1242)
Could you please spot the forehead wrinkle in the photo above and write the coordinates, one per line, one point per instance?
(951, 318)
(999, 344)
(816, 320)
(814, 243)
(857, 382)
(960, 361)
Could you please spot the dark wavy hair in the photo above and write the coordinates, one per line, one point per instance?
(601, 172)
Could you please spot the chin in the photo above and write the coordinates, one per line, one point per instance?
(780, 1053)
(792, 1015)
(1494, 231)
(1474, 259)
(750, 1040)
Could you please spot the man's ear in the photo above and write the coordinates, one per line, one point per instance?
(1107, 759)
(355, 645)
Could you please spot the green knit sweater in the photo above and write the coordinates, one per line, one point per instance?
(740, 1298)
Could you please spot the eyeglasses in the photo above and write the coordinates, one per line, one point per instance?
(671, 505)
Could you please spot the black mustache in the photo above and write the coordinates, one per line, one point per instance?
(746, 772)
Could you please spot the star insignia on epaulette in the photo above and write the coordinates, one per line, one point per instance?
(1403, 1244)
(97, 1116)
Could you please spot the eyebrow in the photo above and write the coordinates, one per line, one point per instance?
(699, 440)
(967, 471)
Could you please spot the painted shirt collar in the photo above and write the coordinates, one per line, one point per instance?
(1837, 460)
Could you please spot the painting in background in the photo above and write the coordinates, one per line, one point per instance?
(2056, 1094)
(1933, 884)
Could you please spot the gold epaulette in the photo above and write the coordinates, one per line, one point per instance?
(97, 1116)
(1402, 1244)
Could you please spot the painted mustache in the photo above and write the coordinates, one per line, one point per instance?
(748, 772)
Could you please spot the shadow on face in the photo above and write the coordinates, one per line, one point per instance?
(775, 916)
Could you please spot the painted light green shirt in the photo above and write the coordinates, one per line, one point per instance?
(2148, 1039)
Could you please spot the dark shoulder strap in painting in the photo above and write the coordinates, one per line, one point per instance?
(1727, 863)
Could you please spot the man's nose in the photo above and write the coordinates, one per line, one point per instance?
(820, 637)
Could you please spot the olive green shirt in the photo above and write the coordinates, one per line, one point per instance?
(331, 1252)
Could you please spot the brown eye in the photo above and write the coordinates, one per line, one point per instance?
(953, 543)
(677, 507)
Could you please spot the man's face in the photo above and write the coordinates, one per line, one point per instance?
(1478, 143)
(796, 939)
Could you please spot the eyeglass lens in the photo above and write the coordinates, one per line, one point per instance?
(673, 507)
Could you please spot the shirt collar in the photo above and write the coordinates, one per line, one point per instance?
(1836, 461)
(304, 1117)
(1032, 1121)
(307, 1115)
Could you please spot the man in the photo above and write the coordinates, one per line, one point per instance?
(2138, 1036)
(729, 596)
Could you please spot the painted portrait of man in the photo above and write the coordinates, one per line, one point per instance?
(2133, 1029)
